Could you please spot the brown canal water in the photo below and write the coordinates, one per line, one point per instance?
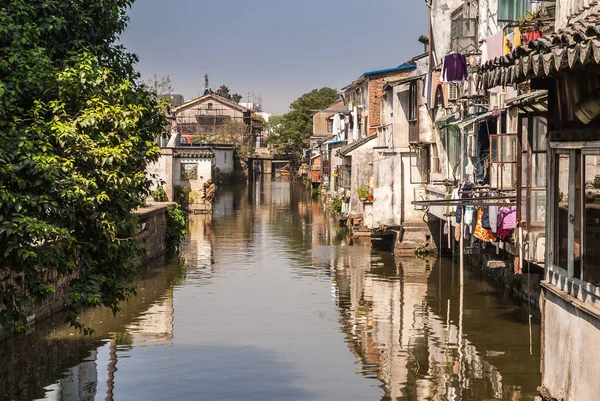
(268, 302)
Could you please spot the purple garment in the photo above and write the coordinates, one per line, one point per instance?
(455, 67)
(507, 221)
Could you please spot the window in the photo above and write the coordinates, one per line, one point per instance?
(503, 156)
(189, 171)
(225, 157)
(513, 9)
(451, 143)
(463, 31)
(591, 219)
(413, 113)
(576, 213)
(329, 125)
(561, 208)
(346, 176)
(533, 170)
(210, 106)
(419, 165)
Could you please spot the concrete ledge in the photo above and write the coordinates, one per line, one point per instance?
(571, 299)
(152, 209)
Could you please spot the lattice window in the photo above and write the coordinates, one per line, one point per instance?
(189, 171)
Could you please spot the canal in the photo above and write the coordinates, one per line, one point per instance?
(267, 301)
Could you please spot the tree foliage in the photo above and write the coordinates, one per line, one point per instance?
(77, 131)
(224, 92)
(160, 85)
(288, 133)
(235, 133)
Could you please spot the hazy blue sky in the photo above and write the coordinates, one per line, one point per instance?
(277, 48)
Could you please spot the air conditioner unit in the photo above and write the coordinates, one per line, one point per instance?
(453, 92)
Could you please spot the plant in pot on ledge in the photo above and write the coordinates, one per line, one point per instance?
(363, 193)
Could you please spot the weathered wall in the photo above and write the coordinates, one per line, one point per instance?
(376, 85)
(208, 106)
(387, 192)
(362, 171)
(224, 160)
(204, 173)
(320, 119)
(163, 168)
(152, 230)
(441, 21)
(570, 368)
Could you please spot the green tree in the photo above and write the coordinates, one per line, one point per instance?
(225, 92)
(288, 133)
(78, 129)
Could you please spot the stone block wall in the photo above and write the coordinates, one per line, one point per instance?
(152, 230)
(151, 233)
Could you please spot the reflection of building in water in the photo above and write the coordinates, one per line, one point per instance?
(155, 326)
(399, 338)
(79, 384)
(197, 249)
(146, 320)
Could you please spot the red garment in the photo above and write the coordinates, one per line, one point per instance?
(533, 35)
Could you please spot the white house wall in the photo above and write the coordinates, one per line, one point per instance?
(204, 173)
(163, 169)
(441, 18)
(224, 160)
(362, 171)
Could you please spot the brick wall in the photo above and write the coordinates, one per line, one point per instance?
(376, 84)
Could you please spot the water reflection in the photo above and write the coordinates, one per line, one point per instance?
(265, 303)
(405, 324)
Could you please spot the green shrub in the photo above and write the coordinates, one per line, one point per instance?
(159, 194)
(176, 226)
(362, 192)
(181, 194)
(336, 206)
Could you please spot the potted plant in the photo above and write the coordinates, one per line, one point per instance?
(363, 193)
(370, 197)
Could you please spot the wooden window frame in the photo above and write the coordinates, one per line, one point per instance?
(413, 112)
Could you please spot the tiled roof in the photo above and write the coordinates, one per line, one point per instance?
(194, 154)
(577, 44)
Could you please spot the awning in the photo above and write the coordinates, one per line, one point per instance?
(577, 44)
(471, 120)
(445, 121)
(536, 101)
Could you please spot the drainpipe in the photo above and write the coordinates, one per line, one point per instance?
(429, 31)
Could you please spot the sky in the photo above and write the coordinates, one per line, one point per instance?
(278, 49)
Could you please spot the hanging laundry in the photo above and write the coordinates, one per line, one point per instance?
(468, 217)
(493, 217)
(508, 43)
(455, 68)
(494, 46)
(517, 38)
(481, 232)
(485, 219)
(336, 125)
(531, 35)
(507, 221)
